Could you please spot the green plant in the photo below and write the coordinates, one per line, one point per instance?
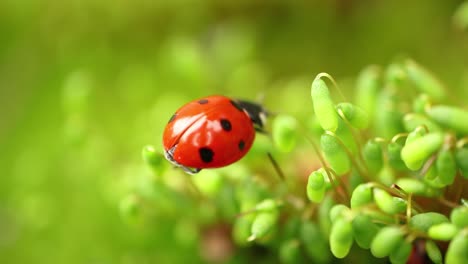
(391, 174)
(407, 174)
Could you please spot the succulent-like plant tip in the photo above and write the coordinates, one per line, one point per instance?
(374, 165)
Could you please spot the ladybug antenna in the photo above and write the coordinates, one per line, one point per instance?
(276, 166)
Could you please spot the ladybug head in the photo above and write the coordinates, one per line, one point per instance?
(256, 112)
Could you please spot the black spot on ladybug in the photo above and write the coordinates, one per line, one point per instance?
(206, 154)
(241, 145)
(203, 101)
(236, 105)
(226, 125)
(172, 118)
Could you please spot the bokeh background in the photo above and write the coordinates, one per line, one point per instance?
(85, 84)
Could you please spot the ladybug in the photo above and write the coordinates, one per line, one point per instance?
(212, 132)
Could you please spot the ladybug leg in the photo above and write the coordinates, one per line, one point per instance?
(169, 155)
(190, 170)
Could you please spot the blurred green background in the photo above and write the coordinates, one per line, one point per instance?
(85, 84)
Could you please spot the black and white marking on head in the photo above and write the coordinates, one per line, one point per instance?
(256, 113)
(172, 118)
(226, 125)
(206, 154)
(241, 145)
(236, 105)
(203, 101)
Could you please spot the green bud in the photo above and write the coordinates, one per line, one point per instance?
(417, 187)
(315, 196)
(433, 252)
(388, 116)
(368, 84)
(328, 184)
(412, 185)
(344, 133)
(459, 216)
(388, 203)
(361, 195)
(387, 240)
(263, 223)
(324, 107)
(316, 186)
(355, 115)
(364, 230)
(401, 254)
(379, 216)
(316, 180)
(394, 156)
(446, 166)
(335, 154)
(415, 153)
(422, 222)
(457, 252)
(372, 153)
(412, 121)
(431, 175)
(154, 159)
(267, 205)
(338, 211)
(265, 217)
(386, 176)
(424, 80)
(284, 133)
(443, 231)
(450, 117)
(341, 238)
(418, 132)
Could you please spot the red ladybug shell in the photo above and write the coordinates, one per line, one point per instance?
(210, 132)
